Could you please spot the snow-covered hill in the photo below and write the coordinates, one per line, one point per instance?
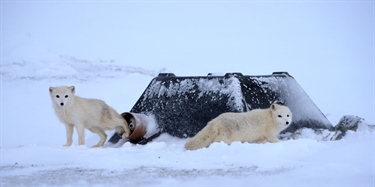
(28, 59)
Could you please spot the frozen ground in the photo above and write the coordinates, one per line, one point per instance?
(302, 162)
(111, 51)
(32, 153)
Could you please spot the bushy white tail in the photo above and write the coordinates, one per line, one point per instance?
(203, 139)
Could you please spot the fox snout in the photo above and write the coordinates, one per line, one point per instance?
(131, 125)
(61, 104)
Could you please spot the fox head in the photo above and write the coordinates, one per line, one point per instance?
(62, 95)
(282, 115)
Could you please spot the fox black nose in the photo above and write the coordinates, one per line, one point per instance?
(131, 126)
(287, 122)
(61, 104)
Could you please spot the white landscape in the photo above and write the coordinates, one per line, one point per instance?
(112, 50)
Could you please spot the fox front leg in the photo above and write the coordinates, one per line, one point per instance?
(69, 135)
(272, 139)
(81, 134)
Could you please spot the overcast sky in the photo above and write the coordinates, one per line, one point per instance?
(328, 46)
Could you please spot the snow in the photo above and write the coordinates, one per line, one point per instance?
(113, 54)
(301, 98)
(230, 87)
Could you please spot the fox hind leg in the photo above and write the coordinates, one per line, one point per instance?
(102, 135)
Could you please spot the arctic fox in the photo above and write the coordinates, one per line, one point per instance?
(92, 114)
(258, 125)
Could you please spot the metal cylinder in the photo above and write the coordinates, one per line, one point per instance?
(140, 125)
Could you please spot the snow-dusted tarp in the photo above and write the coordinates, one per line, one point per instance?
(182, 106)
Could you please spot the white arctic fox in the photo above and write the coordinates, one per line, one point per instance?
(92, 114)
(258, 125)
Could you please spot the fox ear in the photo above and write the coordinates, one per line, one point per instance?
(73, 89)
(51, 89)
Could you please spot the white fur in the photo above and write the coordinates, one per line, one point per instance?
(92, 114)
(259, 125)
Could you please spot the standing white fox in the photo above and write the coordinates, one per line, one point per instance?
(92, 114)
(258, 125)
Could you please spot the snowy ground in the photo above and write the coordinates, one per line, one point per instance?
(114, 57)
(302, 162)
(32, 151)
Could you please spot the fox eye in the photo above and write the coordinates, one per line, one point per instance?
(57, 96)
(287, 115)
(280, 116)
(66, 96)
